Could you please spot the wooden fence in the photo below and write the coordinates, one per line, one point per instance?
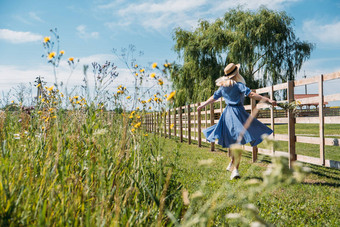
(186, 122)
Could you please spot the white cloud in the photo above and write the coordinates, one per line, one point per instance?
(19, 37)
(166, 14)
(81, 29)
(325, 33)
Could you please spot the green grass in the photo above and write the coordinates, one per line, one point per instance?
(314, 202)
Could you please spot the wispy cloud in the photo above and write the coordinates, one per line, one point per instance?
(325, 33)
(35, 17)
(84, 34)
(166, 14)
(18, 36)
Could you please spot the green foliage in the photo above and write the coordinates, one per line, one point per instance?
(86, 168)
(262, 41)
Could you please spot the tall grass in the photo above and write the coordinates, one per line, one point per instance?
(85, 168)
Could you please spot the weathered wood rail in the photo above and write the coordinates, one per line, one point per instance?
(186, 122)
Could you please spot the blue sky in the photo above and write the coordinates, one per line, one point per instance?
(89, 29)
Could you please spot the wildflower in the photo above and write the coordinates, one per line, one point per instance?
(149, 100)
(166, 95)
(138, 117)
(141, 70)
(42, 128)
(62, 52)
(42, 100)
(160, 82)
(124, 88)
(136, 66)
(54, 117)
(150, 108)
(132, 130)
(166, 65)
(137, 108)
(172, 94)
(38, 85)
(137, 125)
(171, 126)
(12, 101)
(129, 97)
(61, 94)
(154, 65)
(146, 134)
(46, 120)
(152, 75)
(131, 116)
(50, 109)
(51, 55)
(71, 59)
(136, 74)
(119, 87)
(50, 89)
(46, 39)
(133, 112)
(76, 97)
(39, 112)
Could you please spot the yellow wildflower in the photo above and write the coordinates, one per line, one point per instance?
(132, 130)
(137, 125)
(166, 65)
(71, 59)
(124, 88)
(146, 134)
(160, 82)
(38, 85)
(152, 75)
(42, 100)
(54, 117)
(42, 128)
(150, 108)
(136, 74)
(137, 108)
(130, 116)
(51, 55)
(46, 39)
(62, 52)
(171, 126)
(39, 112)
(154, 65)
(129, 97)
(12, 101)
(50, 89)
(166, 95)
(149, 100)
(76, 97)
(138, 117)
(50, 109)
(141, 70)
(136, 66)
(119, 87)
(172, 94)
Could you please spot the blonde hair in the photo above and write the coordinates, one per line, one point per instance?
(227, 82)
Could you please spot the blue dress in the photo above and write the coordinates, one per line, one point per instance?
(230, 125)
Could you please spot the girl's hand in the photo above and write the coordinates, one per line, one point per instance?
(200, 107)
(273, 102)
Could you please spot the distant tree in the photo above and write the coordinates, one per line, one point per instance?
(262, 41)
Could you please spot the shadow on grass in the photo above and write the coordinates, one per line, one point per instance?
(334, 185)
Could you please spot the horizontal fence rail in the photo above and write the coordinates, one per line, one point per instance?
(186, 122)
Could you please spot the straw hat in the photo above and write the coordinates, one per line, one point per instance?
(231, 70)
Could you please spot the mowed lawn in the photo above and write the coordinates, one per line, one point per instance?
(309, 130)
(314, 202)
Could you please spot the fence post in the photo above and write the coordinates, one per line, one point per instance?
(322, 121)
(291, 125)
(175, 122)
(169, 126)
(212, 122)
(199, 127)
(157, 123)
(253, 105)
(189, 125)
(180, 124)
(272, 123)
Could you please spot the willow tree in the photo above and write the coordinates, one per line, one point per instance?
(262, 41)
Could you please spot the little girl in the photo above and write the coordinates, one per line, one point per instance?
(233, 89)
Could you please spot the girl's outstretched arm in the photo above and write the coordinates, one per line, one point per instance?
(210, 100)
(258, 97)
